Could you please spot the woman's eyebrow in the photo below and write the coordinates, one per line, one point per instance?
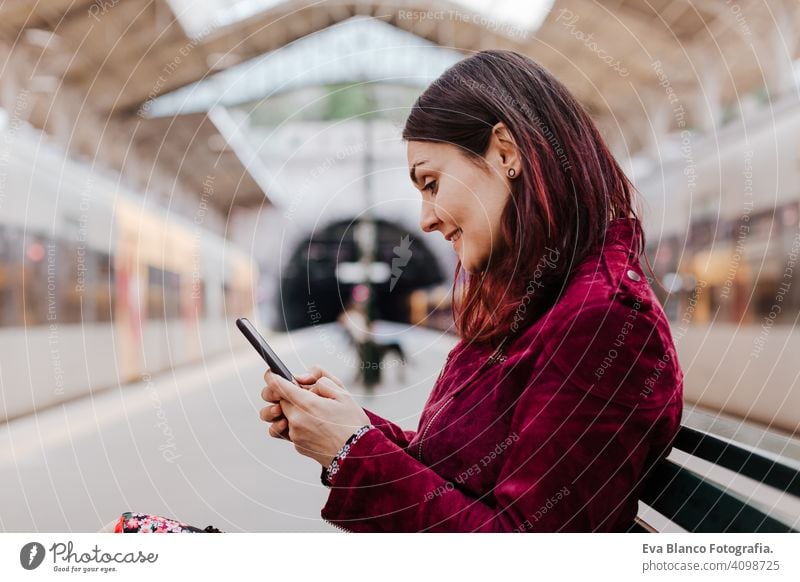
(413, 172)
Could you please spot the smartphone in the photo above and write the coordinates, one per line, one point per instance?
(262, 347)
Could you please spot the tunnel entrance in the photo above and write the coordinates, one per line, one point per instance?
(311, 292)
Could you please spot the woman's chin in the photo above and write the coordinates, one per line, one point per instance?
(474, 268)
(467, 265)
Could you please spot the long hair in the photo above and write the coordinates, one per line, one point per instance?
(569, 188)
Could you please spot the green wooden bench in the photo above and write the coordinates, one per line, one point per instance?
(699, 505)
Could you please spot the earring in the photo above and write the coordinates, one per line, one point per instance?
(512, 172)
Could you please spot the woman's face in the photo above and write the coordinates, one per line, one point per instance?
(461, 199)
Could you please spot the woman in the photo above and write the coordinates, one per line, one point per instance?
(565, 387)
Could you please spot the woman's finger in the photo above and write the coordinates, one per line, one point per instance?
(271, 413)
(305, 378)
(272, 391)
(279, 429)
(291, 392)
(325, 374)
(329, 389)
(315, 373)
(288, 409)
(270, 394)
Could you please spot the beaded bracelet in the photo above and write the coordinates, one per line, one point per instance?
(333, 468)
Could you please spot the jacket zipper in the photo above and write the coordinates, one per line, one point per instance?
(428, 427)
(441, 372)
(497, 356)
(425, 431)
(340, 528)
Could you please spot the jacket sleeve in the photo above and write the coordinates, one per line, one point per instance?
(392, 431)
(573, 462)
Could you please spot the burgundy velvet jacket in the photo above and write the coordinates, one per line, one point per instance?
(554, 436)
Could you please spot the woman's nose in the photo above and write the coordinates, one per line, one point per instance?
(428, 218)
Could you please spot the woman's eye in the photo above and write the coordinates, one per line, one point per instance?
(431, 186)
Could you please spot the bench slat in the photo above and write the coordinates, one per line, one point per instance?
(742, 461)
(699, 506)
(636, 527)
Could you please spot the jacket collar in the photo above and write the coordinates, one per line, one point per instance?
(621, 234)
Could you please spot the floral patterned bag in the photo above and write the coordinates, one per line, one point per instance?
(130, 522)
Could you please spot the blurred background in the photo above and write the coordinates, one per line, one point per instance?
(167, 166)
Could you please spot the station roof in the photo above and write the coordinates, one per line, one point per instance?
(114, 57)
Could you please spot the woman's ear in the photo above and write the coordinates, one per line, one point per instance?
(505, 151)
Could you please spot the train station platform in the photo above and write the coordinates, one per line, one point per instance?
(189, 443)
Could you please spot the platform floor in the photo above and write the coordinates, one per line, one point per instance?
(189, 443)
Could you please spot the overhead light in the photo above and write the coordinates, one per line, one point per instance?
(44, 83)
(42, 38)
(214, 14)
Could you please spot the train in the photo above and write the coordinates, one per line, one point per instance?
(100, 285)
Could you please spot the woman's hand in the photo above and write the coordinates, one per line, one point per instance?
(274, 414)
(318, 419)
